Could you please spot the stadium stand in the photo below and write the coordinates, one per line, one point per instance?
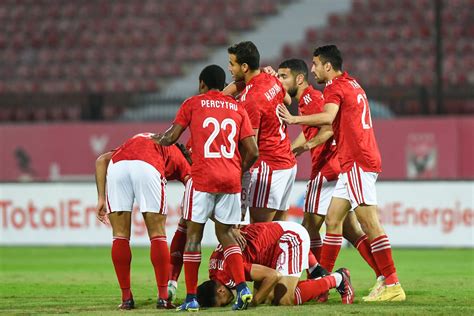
(124, 47)
(99, 46)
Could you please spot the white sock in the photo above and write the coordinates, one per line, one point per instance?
(338, 278)
(173, 284)
(381, 278)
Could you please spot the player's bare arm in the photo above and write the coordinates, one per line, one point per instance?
(324, 133)
(297, 146)
(234, 88)
(324, 118)
(249, 152)
(100, 177)
(267, 279)
(169, 137)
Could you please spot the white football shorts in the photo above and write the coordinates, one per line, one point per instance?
(294, 244)
(200, 206)
(271, 188)
(319, 192)
(357, 186)
(135, 180)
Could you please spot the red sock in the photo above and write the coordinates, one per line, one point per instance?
(382, 252)
(310, 289)
(176, 252)
(192, 261)
(331, 246)
(316, 246)
(363, 246)
(233, 258)
(312, 260)
(160, 258)
(122, 257)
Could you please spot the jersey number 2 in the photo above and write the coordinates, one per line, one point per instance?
(366, 123)
(217, 128)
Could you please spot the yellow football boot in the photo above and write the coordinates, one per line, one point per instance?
(393, 293)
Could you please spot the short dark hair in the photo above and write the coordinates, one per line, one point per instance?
(246, 53)
(213, 77)
(329, 53)
(206, 293)
(297, 66)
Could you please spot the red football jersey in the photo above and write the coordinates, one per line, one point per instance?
(324, 157)
(353, 125)
(169, 161)
(217, 123)
(261, 97)
(262, 248)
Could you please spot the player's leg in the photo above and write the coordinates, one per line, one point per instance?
(122, 254)
(119, 203)
(332, 243)
(149, 187)
(159, 255)
(176, 257)
(317, 199)
(261, 214)
(308, 290)
(364, 200)
(197, 208)
(226, 214)
(356, 236)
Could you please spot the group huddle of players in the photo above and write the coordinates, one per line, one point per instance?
(239, 157)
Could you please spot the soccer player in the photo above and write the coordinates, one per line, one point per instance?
(347, 109)
(273, 176)
(219, 127)
(275, 255)
(293, 74)
(138, 169)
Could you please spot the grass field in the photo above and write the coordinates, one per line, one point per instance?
(81, 280)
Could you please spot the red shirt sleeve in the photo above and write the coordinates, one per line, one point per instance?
(177, 167)
(246, 129)
(183, 117)
(251, 106)
(333, 94)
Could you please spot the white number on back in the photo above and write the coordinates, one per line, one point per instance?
(282, 125)
(217, 128)
(365, 112)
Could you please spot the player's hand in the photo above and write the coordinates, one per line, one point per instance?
(241, 241)
(285, 115)
(102, 211)
(269, 70)
(299, 150)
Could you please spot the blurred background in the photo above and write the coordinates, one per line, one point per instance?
(77, 78)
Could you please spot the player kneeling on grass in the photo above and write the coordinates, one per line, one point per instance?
(139, 170)
(274, 257)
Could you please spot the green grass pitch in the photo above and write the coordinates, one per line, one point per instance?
(81, 280)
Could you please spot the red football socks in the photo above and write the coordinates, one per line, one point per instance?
(382, 253)
(233, 258)
(310, 289)
(160, 258)
(331, 246)
(176, 252)
(316, 247)
(192, 261)
(121, 258)
(363, 246)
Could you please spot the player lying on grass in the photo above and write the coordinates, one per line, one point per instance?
(138, 170)
(275, 255)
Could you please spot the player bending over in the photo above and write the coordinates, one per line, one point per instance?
(138, 169)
